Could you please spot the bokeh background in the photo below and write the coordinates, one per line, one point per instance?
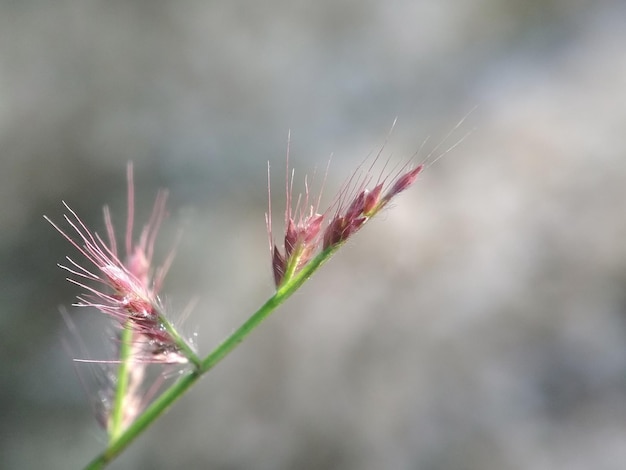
(479, 324)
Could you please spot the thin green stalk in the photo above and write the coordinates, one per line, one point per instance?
(117, 415)
(175, 391)
(292, 265)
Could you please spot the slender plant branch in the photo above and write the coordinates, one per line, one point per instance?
(129, 290)
(175, 391)
(117, 415)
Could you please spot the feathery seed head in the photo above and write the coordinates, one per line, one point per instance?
(364, 205)
(303, 226)
(308, 230)
(126, 291)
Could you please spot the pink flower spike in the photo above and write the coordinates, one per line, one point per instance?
(303, 227)
(365, 204)
(127, 291)
(307, 229)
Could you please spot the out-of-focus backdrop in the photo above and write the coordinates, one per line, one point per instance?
(479, 324)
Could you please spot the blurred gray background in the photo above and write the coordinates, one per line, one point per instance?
(479, 324)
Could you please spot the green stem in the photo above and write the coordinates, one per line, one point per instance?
(117, 415)
(292, 265)
(175, 391)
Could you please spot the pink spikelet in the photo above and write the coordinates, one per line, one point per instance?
(127, 291)
(307, 231)
(303, 226)
(356, 204)
(365, 205)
